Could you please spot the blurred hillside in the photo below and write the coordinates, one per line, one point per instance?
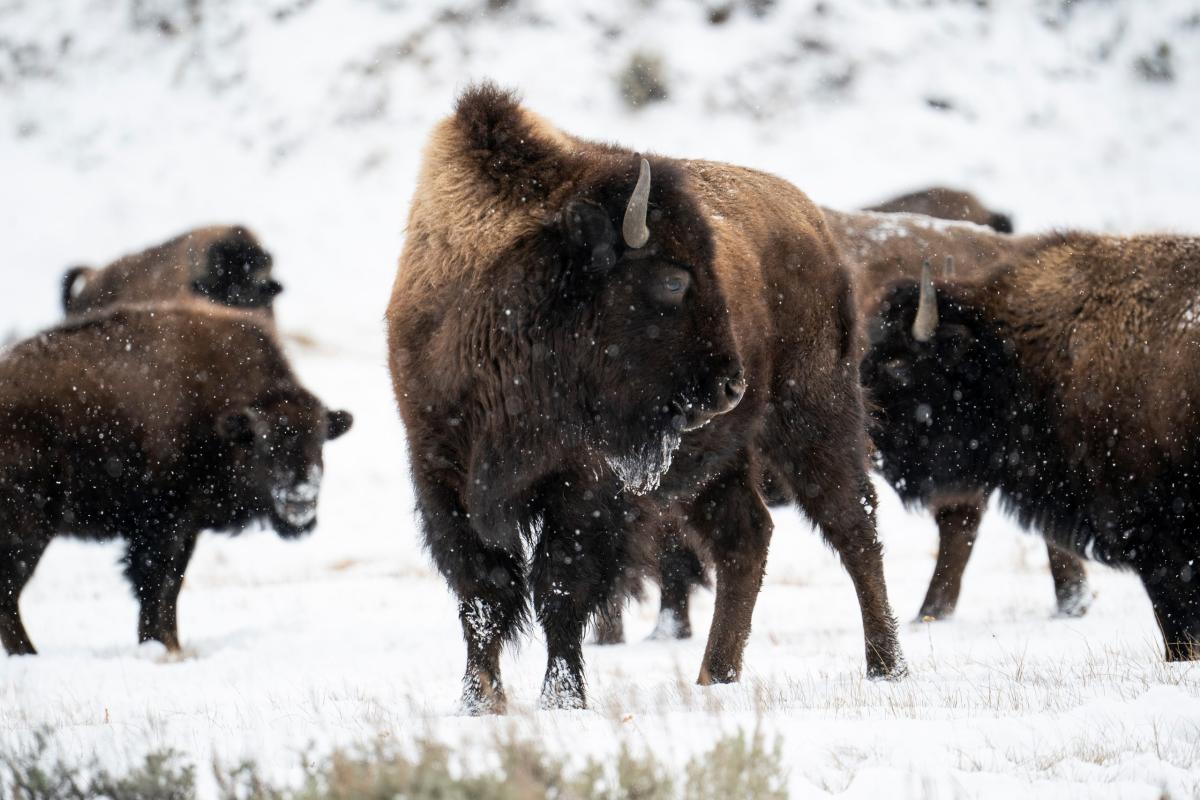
(122, 121)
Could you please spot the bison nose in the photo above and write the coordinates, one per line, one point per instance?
(734, 388)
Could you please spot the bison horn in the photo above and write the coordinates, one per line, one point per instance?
(634, 229)
(927, 313)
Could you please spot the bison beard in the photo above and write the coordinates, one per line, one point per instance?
(1066, 382)
(642, 470)
(576, 341)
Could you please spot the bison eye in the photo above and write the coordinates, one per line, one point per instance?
(671, 285)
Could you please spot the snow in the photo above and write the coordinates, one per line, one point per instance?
(305, 120)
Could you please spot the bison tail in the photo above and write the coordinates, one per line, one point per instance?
(69, 288)
(1001, 223)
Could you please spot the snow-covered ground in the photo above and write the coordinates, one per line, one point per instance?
(304, 119)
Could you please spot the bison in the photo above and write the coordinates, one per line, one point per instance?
(881, 248)
(585, 341)
(944, 203)
(1067, 380)
(151, 424)
(225, 264)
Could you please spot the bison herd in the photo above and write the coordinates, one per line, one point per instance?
(609, 365)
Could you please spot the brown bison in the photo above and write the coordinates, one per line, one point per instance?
(1067, 380)
(225, 264)
(584, 342)
(943, 203)
(151, 423)
(881, 248)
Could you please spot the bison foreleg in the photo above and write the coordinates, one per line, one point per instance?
(578, 568)
(958, 525)
(17, 562)
(489, 581)
(155, 564)
(490, 585)
(731, 517)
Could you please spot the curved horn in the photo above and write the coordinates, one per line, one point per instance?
(927, 313)
(634, 229)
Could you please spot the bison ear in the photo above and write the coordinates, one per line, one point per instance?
(339, 422)
(239, 427)
(591, 235)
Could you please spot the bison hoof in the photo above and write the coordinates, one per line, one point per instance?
(609, 633)
(933, 615)
(1076, 604)
(1187, 650)
(896, 671)
(563, 688)
(482, 694)
(710, 675)
(476, 705)
(557, 699)
(22, 650)
(669, 627)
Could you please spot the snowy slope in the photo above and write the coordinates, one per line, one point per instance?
(125, 121)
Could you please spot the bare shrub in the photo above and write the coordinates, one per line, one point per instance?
(643, 80)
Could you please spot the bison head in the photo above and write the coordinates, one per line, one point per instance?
(646, 320)
(237, 272)
(941, 381)
(277, 459)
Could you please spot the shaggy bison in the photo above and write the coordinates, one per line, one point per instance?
(943, 203)
(881, 248)
(584, 342)
(223, 263)
(151, 423)
(1067, 380)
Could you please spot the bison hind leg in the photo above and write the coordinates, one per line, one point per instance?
(609, 624)
(155, 563)
(958, 525)
(1073, 596)
(681, 570)
(1174, 590)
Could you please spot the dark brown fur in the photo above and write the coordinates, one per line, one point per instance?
(882, 248)
(530, 348)
(225, 264)
(944, 203)
(151, 423)
(1068, 381)
(879, 249)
